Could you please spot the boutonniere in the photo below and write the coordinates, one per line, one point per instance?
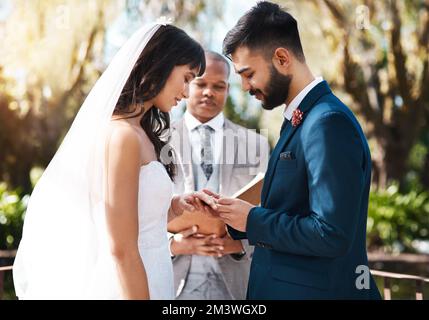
(297, 116)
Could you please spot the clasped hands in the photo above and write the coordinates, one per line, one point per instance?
(189, 242)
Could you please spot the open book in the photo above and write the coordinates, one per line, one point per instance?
(208, 224)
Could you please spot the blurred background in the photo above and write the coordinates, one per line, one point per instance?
(374, 54)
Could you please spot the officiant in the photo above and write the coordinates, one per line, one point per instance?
(212, 152)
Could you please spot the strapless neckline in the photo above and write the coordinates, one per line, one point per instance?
(149, 163)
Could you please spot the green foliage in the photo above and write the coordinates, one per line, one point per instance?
(395, 219)
(12, 209)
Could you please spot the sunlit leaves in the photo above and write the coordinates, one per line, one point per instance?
(396, 220)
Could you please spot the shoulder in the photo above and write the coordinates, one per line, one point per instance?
(123, 136)
(125, 145)
(329, 109)
(331, 122)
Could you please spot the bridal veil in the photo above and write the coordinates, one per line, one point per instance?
(64, 251)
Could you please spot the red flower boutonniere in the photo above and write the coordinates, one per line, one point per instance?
(297, 116)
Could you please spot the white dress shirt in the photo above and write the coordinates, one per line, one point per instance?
(217, 138)
(294, 104)
(204, 280)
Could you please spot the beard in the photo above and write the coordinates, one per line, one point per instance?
(276, 91)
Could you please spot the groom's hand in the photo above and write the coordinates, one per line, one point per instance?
(234, 212)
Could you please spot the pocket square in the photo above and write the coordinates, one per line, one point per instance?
(287, 155)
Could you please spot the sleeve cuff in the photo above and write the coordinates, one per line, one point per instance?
(251, 226)
(170, 239)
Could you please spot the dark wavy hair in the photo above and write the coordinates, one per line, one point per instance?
(265, 27)
(168, 47)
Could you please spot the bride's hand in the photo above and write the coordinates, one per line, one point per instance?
(204, 202)
(215, 196)
(182, 202)
(197, 200)
(211, 193)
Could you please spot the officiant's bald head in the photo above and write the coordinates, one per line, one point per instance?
(208, 93)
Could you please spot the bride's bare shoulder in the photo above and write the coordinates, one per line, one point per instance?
(122, 135)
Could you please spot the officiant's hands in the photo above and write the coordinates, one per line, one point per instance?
(233, 212)
(189, 242)
(228, 244)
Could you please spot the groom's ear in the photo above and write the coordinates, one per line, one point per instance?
(282, 58)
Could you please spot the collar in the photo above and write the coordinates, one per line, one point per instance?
(294, 104)
(216, 123)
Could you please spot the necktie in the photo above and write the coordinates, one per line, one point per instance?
(205, 132)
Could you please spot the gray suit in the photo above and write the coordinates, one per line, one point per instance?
(244, 154)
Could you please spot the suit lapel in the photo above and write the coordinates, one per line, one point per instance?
(284, 138)
(307, 103)
(184, 152)
(225, 166)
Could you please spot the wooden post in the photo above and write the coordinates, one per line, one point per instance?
(387, 291)
(419, 290)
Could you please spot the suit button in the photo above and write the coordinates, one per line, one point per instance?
(264, 245)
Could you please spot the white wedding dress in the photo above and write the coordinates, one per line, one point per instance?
(154, 197)
(65, 249)
(100, 280)
(155, 193)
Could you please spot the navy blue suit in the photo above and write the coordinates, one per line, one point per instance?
(310, 230)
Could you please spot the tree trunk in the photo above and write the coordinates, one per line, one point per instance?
(395, 124)
(396, 166)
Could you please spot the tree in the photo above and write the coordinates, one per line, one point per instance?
(48, 63)
(384, 47)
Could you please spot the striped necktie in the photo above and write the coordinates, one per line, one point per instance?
(205, 132)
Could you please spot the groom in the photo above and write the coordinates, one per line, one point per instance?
(310, 228)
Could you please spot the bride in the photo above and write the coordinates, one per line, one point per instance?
(96, 223)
